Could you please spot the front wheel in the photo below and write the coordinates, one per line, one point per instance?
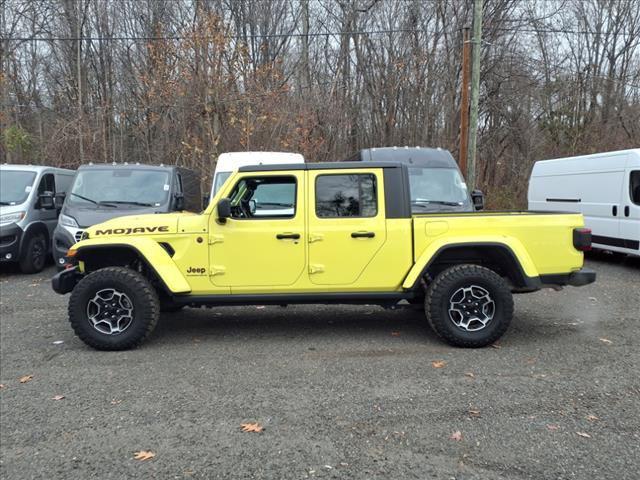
(114, 308)
(34, 256)
(469, 306)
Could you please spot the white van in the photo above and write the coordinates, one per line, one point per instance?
(604, 187)
(228, 162)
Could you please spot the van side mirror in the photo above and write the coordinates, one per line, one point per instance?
(46, 200)
(58, 199)
(478, 199)
(179, 201)
(224, 209)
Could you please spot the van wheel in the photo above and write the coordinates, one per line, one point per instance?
(469, 306)
(34, 256)
(114, 308)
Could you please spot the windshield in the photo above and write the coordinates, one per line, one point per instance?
(221, 177)
(120, 187)
(435, 188)
(15, 186)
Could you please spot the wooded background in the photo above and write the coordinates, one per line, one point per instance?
(181, 81)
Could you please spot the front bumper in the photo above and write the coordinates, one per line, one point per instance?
(62, 242)
(579, 278)
(66, 280)
(10, 240)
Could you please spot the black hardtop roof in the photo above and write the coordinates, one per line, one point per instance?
(319, 166)
(137, 166)
(411, 156)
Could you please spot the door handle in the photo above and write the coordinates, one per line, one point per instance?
(285, 236)
(614, 210)
(363, 235)
(626, 211)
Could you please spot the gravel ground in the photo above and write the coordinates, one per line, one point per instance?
(342, 391)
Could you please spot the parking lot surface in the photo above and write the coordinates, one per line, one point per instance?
(342, 391)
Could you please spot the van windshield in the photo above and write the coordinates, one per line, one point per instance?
(120, 187)
(221, 177)
(438, 189)
(15, 186)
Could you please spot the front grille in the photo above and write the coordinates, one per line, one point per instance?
(78, 235)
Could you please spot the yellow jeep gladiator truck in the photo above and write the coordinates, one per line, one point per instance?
(319, 233)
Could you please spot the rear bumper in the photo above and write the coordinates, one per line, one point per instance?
(66, 280)
(580, 278)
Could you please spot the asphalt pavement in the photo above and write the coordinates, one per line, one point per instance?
(342, 391)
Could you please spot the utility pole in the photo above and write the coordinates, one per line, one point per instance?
(475, 93)
(79, 72)
(464, 102)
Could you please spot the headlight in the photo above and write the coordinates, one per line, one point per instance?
(11, 218)
(68, 221)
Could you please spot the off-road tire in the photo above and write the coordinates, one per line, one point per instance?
(34, 256)
(146, 308)
(440, 292)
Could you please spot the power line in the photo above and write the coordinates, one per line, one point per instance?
(297, 35)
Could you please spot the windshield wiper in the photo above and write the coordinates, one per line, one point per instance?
(420, 202)
(101, 202)
(5, 203)
(123, 202)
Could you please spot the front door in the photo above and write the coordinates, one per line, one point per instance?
(262, 246)
(346, 224)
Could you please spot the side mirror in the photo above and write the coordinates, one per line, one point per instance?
(179, 199)
(478, 199)
(253, 205)
(58, 199)
(46, 200)
(224, 209)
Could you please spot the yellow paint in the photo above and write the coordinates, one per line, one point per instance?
(244, 255)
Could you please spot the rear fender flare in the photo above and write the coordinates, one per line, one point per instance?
(148, 250)
(431, 253)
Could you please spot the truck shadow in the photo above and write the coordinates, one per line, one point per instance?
(609, 258)
(294, 322)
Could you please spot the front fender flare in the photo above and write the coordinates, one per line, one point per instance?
(512, 244)
(149, 250)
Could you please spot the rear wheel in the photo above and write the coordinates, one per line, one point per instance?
(114, 308)
(469, 306)
(34, 255)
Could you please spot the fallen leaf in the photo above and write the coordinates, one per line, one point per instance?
(474, 413)
(584, 434)
(438, 363)
(26, 378)
(116, 402)
(605, 340)
(470, 375)
(592, 418)
(496, 346)
(1, 385)
(143, 455)
(553, 427)
(57, 397)
(395, 334)
(457, 436)
(251, 427)
(593, 299)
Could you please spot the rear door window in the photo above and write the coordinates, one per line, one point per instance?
(47, 184)
(346, 195)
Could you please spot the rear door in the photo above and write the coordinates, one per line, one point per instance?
(346, 223)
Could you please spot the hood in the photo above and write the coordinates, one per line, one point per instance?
(152, 224)
(87, 217)
(4, 209)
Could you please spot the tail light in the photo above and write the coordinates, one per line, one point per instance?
(582, 239)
